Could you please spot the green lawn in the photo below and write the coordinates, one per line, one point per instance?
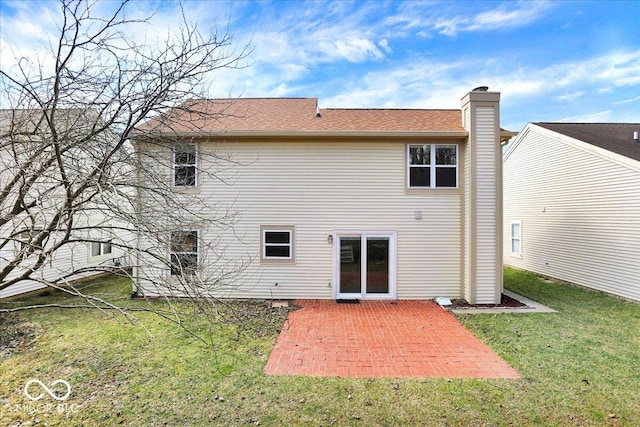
(580, 367)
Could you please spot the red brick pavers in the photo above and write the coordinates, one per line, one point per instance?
(377, 339)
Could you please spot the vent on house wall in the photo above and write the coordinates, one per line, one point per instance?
(635, 136)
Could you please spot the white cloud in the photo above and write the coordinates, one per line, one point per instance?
(628, 101)
(351, 49)
(418, 84)
(621, 69)
(25, 39)
(569, 96)
(611, 70)
(517, 85)
(423, 83)
(318, 33)
(451, 26)
(597, 117)
(384, 44)
(506, 15)
(350, 45)
(291, 42)
(524, 13)
(34, 41)
(292, 71)
(29, 25)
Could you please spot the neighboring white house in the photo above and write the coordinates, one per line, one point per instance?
(25, 150)
(337, 203)
(572, 204)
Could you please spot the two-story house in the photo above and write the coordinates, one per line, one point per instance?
(331, 203)
(49, 235)
(572, 204)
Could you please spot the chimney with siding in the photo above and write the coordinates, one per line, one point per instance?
(482, 194)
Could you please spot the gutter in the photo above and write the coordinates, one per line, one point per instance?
(506, 135)
(305, 134)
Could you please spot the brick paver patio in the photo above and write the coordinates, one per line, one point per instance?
(381, 339)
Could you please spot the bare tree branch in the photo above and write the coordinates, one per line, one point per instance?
(71, 181)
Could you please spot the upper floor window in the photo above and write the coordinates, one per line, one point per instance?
(432, 166)
(185, 160)
(184, 252)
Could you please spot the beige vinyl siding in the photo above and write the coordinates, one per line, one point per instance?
(51, 271)
(580, 212)
(482, 278)
(68, 258)
(319, 187)
(486, 230)
(466, 265)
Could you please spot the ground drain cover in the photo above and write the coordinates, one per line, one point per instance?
(348, 301)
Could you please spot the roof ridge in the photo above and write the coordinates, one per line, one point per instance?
(258, 97)
(588, 123)
(391, 109)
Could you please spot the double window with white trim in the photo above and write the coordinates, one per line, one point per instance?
(100, 248)
(432, 166)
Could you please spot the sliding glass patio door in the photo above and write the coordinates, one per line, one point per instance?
(365, 265)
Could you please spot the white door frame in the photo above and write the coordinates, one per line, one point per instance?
(364, 235)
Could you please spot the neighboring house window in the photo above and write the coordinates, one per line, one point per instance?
(185, 159)
(277, 243)
(184, 252)
(432, 165)
(100, 248)
(516, 238)
(26, 239)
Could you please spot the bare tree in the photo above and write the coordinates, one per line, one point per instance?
(71, 178)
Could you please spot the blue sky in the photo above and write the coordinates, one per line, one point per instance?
(551, 60)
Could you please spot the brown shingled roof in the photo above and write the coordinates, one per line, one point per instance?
(615, 137)
(293, 115)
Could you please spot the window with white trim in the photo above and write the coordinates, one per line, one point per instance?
(432, 166)
(184, 252)
(100, 248)
(26, 240)
(516, 238)
(185, 165)
(277, 243)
